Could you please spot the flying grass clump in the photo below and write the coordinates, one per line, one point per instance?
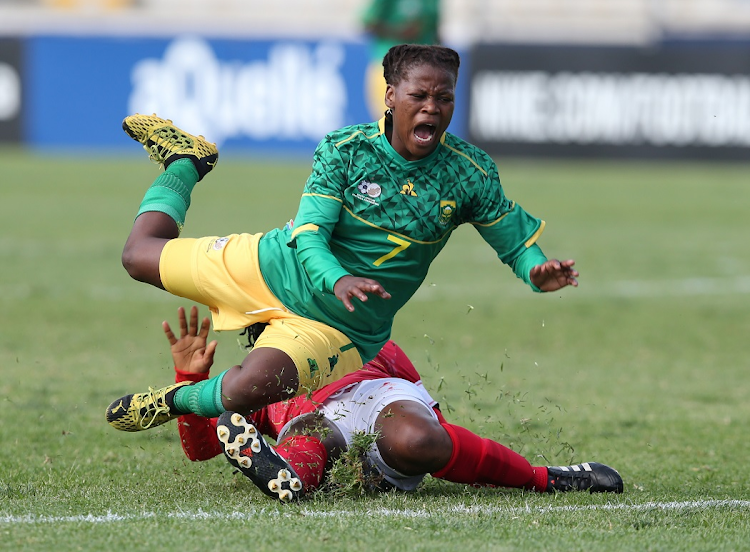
(351, 475)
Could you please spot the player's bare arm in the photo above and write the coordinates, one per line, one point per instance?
(190, 352)
(553, 275)
(348, 287)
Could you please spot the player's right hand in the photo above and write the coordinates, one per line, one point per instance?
(348, 287)
(191, 352)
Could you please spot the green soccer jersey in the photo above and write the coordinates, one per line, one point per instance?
(366, 211)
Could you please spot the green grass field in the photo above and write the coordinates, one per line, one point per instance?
(643, 367)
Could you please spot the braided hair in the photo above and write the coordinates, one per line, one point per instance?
(402, 58)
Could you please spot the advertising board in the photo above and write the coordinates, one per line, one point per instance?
(678, 101)
(11, 89)
(271, 95)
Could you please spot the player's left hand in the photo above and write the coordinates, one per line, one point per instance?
(347, 288)
(190, 352)
(553, 275)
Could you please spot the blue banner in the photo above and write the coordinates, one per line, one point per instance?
(260, 95)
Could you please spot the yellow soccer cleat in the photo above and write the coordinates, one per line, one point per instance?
(141, 411)
(166, 143)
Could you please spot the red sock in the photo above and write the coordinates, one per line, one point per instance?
(479, 461)
(307, 456)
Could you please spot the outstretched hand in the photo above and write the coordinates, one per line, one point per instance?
(190, 352)
(348, 287)
(553, 275)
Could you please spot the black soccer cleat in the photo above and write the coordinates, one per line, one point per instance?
(589, 476)
(248, 451)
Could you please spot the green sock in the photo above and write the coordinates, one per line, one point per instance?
(170, 192)
(202, 398)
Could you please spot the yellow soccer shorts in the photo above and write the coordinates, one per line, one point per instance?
(223, 273)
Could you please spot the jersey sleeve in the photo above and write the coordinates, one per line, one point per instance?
(502, 223)
(319, 210)
(525, 261)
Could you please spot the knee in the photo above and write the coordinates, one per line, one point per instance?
(416, 446)
(243, 391)
(250, 387)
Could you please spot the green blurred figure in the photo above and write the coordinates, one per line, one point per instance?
(392, 22)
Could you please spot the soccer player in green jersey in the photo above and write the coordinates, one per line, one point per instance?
(381, 202)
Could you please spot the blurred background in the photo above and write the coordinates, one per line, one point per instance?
(560, 78)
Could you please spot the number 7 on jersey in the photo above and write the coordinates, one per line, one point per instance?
(400, 246)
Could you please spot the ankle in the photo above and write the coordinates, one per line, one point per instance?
(184, 168)
(539, 481)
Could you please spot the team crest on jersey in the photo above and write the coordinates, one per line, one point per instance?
(446, 211)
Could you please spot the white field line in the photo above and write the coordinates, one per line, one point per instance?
(110, 517)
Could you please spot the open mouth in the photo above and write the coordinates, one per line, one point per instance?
(424, 133)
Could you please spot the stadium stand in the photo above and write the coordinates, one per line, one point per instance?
(464, 21)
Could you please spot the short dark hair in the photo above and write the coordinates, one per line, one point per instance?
(403, 57)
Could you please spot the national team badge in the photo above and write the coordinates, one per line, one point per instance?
(446, 211)
(369, 189)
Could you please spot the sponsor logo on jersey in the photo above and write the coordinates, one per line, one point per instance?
(446, 211)
(408, 189)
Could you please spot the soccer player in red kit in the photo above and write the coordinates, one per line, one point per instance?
(386, 397)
